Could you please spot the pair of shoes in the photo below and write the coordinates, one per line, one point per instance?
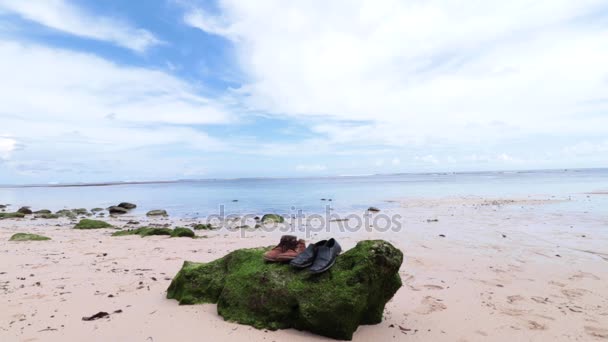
(320, 256)
(289, 248)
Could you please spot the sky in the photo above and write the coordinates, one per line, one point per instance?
(138, 90)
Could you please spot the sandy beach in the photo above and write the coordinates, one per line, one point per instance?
(475, 269)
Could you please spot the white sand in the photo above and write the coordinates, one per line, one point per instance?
(547, 279)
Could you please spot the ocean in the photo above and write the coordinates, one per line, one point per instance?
(200, 198)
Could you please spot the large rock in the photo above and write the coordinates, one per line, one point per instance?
(275, 296)
(127, 205)
(25, 210)
(158, 212)
(117, 210)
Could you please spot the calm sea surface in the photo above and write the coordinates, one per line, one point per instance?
(201, 198)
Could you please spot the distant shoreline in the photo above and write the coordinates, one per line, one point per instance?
(114, 183)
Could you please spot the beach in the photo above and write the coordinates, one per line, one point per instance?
(475, 268)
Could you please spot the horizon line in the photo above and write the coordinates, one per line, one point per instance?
(114, 183)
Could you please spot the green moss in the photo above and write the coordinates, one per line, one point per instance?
(47, 216)
(12, 215)
(80, 211)
(157, 213)
(28, 237)
(275, 296)
(182, 232)
(144, 231)
(43, 211)
(92, 224)
(66, 213)
(273, 218)
(201, 226)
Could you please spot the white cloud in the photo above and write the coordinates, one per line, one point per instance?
(64, 106)
(70, 86)
(64, 16)
(418, 72)
(396, 161)
(7, 146)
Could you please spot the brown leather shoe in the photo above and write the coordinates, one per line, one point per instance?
(287, 242)
(292, 253)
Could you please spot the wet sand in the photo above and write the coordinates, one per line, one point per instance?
(487, 269)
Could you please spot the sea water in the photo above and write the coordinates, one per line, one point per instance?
(200, 198)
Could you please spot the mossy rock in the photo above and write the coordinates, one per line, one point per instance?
(43, 211)
(47, 216)
(92, 224)
(144, 231)
(25, 210)
(28, 237)
(12, 215)
(80, 211)
(182, 232)
(203, 226)
(66, 213)
(272, 218)
(275, 296)
(158, 212)
(96, 210)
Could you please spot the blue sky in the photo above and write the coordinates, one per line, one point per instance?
(171, 89)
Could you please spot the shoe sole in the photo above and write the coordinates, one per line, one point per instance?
(284, 259)
(270, 259)
(301, 266)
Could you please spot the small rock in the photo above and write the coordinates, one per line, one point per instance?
(100, 314)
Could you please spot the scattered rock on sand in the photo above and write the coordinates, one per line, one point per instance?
(25, 210)
(117, 210)
(80, 211)
(43, 211)
(66, 213)
(273, 218)
(28, 237)
(144, 231)
(12, 215)
(203, 226)
(157, 212)
(47, 216)
(127, 205)
(275, 296)
(92, 224)
(98, 315)
(373, 209)
(182, 232)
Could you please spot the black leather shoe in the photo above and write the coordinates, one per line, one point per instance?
(306, 258)
(326, 256)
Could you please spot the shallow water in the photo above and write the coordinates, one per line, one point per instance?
(204, 197)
